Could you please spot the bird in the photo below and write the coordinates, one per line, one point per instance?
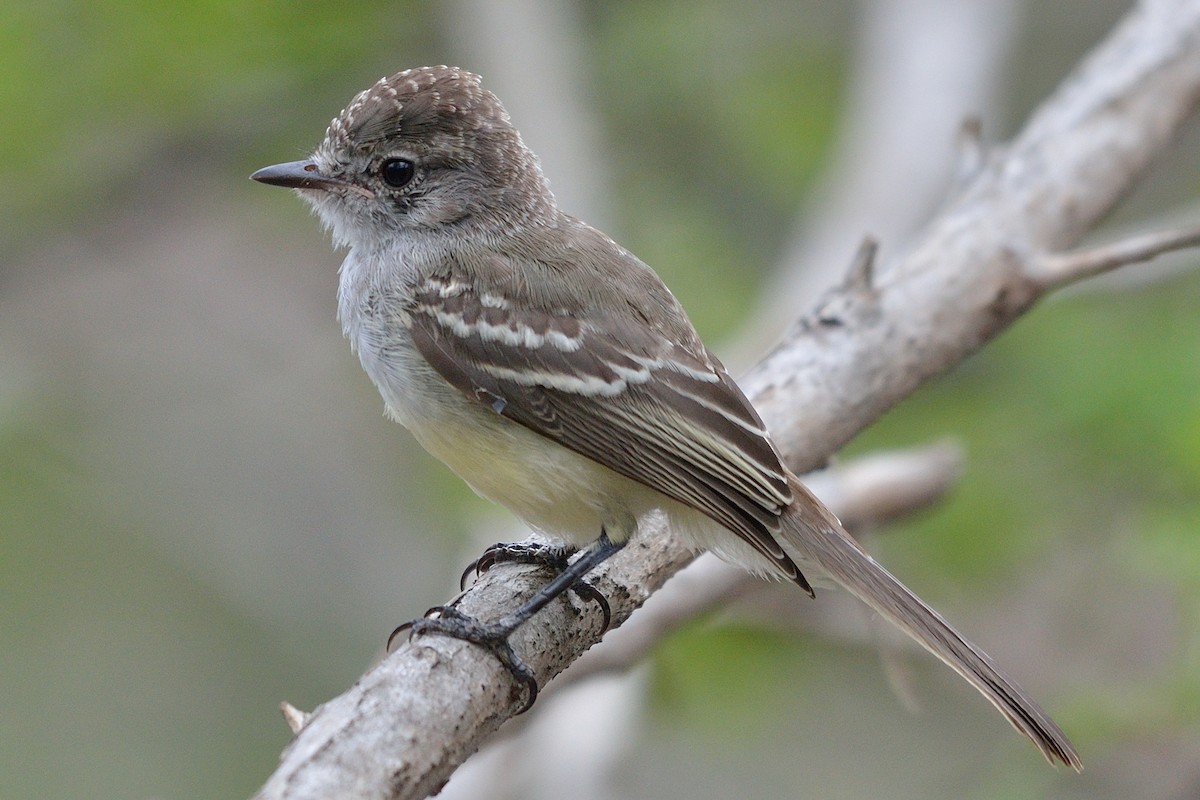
(555, 372)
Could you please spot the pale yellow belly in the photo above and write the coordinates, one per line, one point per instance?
(554, 490)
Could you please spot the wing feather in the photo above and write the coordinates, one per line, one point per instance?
(620, 393)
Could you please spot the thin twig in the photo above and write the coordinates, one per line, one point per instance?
(862, 268)
(1058, 269)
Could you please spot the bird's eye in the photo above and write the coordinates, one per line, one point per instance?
(397, 172)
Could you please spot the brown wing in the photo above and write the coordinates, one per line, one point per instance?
(619, 393)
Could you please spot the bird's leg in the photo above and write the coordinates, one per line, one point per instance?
(494, 635)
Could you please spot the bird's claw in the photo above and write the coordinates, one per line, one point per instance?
(586, 591)
(554, 557)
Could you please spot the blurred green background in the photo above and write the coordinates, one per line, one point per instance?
(203, 511)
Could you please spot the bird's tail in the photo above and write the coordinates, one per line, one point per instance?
(815, 535)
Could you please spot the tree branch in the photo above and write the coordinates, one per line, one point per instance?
(403, 728)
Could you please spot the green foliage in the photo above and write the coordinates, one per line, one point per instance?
(733, 89)
(717, 678)
(1086, 411)
(712, 176)
(93, 88)
(108, 641)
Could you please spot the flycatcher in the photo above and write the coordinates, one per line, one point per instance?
(557, 375)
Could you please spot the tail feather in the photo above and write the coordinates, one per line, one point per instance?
(817, 537)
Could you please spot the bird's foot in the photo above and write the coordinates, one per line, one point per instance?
(449, 621)
(546, 555)
(555, 557)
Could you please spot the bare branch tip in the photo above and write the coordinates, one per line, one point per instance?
(970, 134)
(862, 267)
(947, 451)
(971, 149)
(294, 717)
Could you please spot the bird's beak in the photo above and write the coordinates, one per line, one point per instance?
(305, 175)
(298, 175)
